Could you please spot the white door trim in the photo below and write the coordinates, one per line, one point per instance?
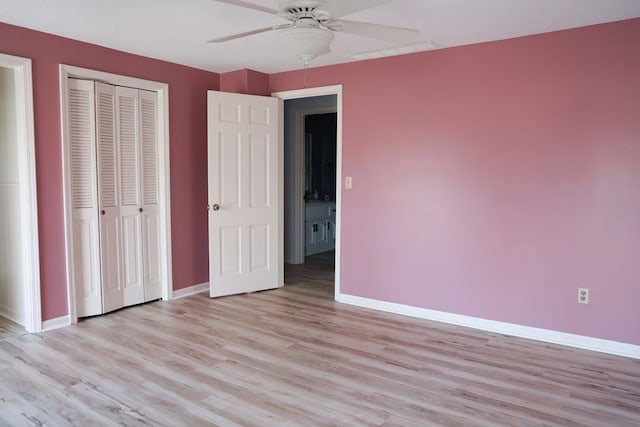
(164, 201)
(321, 91)
(27, 189)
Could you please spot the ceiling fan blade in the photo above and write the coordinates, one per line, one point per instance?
(389, 33)
(248, 5)
(338, 8)
(240, 35)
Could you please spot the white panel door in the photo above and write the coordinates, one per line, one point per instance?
(150, 220)
(84, 218)
(244, 155)
(127, 128)
(110, 240)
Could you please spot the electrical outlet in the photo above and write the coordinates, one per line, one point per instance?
(583, 295)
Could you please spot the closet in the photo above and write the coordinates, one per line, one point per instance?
(114, 196)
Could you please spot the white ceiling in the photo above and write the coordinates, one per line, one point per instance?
(177, 30)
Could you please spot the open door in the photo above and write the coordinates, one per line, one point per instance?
(245, 186)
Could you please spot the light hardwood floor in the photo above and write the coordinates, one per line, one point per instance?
(295, 357)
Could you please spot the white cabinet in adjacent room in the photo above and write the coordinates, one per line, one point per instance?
(320, 225)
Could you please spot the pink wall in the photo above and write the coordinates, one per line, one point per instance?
(245, 81)
(188, 136)
(493, 180)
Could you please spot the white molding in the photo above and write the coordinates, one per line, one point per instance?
(164, 184)
(320, 91)
(162, 89)
(191, 290)
(538, 334)
(281, 196)
(58, 322)
(66, 193)
(27, 189)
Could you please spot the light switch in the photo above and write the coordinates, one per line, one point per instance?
(348, 182)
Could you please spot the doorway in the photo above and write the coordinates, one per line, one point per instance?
(298, 104)
(317, 140)
(19, 260)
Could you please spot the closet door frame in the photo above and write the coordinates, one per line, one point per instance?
(164, 202)
(27, 189)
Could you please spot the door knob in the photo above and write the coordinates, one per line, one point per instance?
(102, 212)
(215, 207)
(140, 209)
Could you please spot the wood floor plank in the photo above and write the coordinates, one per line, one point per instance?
(295, 357)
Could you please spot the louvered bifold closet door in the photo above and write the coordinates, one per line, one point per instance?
(150, 212)
(84, 214)
(128, 141)
(110, 224)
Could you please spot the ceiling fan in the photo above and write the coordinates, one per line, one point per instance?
(312, 24)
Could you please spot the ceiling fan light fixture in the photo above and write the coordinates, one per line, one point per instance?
(308, 42)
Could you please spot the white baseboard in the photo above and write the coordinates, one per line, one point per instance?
(56, 323)
(546, 335)
(191, 290)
